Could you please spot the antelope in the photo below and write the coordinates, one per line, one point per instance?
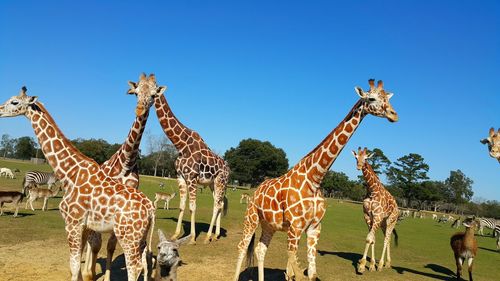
(36, 192)
(10, 197)
(244, 197)
(163, 196)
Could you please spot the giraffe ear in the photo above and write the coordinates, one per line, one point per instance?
(360, 92)
(485, 141)
(161, 90)
(132, 86)
(161, 236)
(389, 95)
(353, 153)
(492, 132)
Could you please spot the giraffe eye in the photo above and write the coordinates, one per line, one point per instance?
(14, 102)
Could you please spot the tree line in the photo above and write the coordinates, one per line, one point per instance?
(252, 161)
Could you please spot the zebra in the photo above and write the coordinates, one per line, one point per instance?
(38, 178)
(489, 223)
(497, 232)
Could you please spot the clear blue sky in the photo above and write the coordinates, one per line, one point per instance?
(283, 71)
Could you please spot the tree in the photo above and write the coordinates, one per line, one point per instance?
(7, 145)
(379, 162)
(406, 172)
(253, 160)
(458, 187)
(97, 149)
(25, 148)
(336, 183)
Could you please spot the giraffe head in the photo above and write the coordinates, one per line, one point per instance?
(376, 101)
(145, 90)
(18, 105)
(493, 141)
(361, 157)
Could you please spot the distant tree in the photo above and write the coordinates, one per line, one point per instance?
(160, 163)
(458, 187)
(406, 173)
(7, 145)
(337, 183)
(379, 162)
(254, 160)
(97, 149)
(25, 148)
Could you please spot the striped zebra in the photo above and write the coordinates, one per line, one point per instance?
(489, 223)
(497, 232)
(38, 178)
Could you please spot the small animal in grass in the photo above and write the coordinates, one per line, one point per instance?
(163, 196)
(443, 219)
(45, 193)
(7, 173)
(456, 223)
(434, 216)
(10, 197)
(168, 258)
(245, 197)
(464, 246)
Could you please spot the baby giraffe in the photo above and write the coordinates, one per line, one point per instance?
(163, 196)
(168, 259)
(380, 210)
(464, 246)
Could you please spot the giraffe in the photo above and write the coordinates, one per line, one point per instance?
(380, 209)
(196, 164)
(122, 166)
(293, 202)
(493, 141)
(93, 200)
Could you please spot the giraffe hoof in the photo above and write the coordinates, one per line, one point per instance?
(372, 267)
(206, 241)
(192, 242)
(388, 265)
(380, 267)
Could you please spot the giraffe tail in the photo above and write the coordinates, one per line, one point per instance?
(395, 237)
(226, 206)
(250, 251)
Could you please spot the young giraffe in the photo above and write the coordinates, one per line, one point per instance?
(93, 200)
(293, 202)
(493, 141)
(196, 164)
(122, 166)
(380, 209)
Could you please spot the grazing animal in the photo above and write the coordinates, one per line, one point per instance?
(122, 166)
(422, 215)
(7, 173)
(168, 259)
(93, 200)
(490, 223)
(434, 216)
(196, 164)
(443, 219)
(405, 213)
(36, 192)
(380, 210)
(456, 223)
(163, 196)
(493, 142)
(464, 246)
(10, 197)
(244, 197)
(39, 178)
(293, 202)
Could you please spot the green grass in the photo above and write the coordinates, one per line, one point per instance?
(423, 253)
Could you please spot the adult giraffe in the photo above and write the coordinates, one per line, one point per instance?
(493, 142)
(380, 210)
(293, 202)
(93, 200)
(122, 166)
(196, 164)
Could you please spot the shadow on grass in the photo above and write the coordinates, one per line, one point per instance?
(200, 227)
(353, 257)
(19, 214)
(118, 268)
(487, 249)
(275, 274)
(434, 267)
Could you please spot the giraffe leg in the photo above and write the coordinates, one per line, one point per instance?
(192, 209)
(312, 240)
(218, 195)
(133, 248)
(387, 245)
(261, 248)
(94, 242)
(250, 223)
(110, 248)
(370, 241)
(182, 205)
(75, 235)
(293, 270)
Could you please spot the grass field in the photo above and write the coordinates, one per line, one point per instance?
(34, 246)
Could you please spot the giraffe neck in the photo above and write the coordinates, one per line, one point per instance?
(61, 154)
(321, 158)
(124, 160)
(371, 178)
(173, 128)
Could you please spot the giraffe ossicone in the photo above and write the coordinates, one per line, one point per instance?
(293, 202)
